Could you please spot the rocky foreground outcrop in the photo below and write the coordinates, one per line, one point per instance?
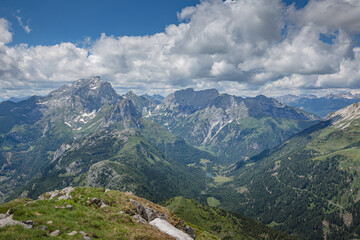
(90, 213)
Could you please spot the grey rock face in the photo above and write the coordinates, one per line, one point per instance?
(78, 103)
(125, 112)
(222, 123)
(140, 219)
(189, 100)
(61, 194)
(140, 209)
(61, 151)
(8, 221)
(146, 213)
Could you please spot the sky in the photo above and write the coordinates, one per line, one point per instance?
(242, 47)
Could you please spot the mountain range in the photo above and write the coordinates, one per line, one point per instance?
(278, 164)
(228, 126)
(321, 106)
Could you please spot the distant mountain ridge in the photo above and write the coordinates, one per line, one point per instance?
(321, 106)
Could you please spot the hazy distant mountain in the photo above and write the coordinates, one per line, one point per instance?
(320, 106)
(231, 127)
(16, 99)
(156, 97)
(309, 185)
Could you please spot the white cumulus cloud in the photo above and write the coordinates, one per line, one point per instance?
(239, 46)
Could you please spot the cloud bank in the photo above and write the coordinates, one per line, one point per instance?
(242, 47)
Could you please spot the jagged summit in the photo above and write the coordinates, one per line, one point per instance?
(93, 87)
(79, 102)
(130, 94)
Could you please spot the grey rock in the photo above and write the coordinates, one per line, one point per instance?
(190, 231)
(83, 233)
(169, 229)
(59, 152)
(146, 213)
(49, 222)
(72, 233)
(55, 233)
(70, 207)
(138, 218)
(61, 194)
(8, 221)
(28, 222)
(64, 197)
(131, 213)
(140, 209)
(86, 238)
(95, 201)
(43, 227)
(162, 216)
(151, 214)
(102, 205)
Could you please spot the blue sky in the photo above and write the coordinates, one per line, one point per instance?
(53, 21)
(244, 47)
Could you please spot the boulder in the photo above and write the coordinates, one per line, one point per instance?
(72, 233)
(55, 233)
(8, 221)
(43, 227)
(138, 218)
(190, 231)
(140, 209)
(166, 227)
(151, 214)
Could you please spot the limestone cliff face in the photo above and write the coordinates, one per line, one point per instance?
(231, 127)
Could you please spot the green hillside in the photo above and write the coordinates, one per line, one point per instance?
(308, 186)
(221, 223)
(119, 159)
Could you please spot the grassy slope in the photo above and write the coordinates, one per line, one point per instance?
(221, 223)
(103, 223)
(138, 165)
(308, 186)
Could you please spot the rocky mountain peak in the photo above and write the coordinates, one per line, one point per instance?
(129, 94)
(93, 82)
(85, 88)
(189, 99)
(90, 93)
